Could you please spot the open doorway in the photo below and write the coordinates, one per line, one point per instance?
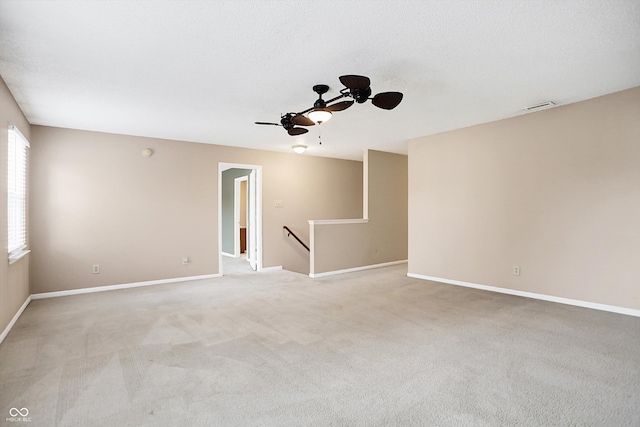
(241, 216)
(234, 227)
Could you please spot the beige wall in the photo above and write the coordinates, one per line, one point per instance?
(384, 237)
(14, 278)
(556, 192)
(96, 200)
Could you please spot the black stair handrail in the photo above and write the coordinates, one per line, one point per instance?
(291, 233)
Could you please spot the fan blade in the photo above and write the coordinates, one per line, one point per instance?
(297, 131)
(343, 105)
(387, 100)
(301, 120)
(266, 123)
(355, 82)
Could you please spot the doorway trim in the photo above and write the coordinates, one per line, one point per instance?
(223, 166)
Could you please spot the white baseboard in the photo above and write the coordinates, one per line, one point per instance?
(229, 255)
(116, 287)
(14, 320)
(568, 301)
(351, 270)
(268, 269)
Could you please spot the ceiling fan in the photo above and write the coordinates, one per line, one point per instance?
(356, 87)
(289, 121)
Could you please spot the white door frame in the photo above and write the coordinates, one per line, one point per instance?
(252, 208)
(236, 213)
(222, 166)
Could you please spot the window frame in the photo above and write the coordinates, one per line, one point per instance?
(17, 164)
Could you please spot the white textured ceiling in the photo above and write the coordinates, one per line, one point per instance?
(205, 71)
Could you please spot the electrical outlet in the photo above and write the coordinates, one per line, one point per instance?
(96, 268)
(516, 270)
(278, 204)
(185, 260)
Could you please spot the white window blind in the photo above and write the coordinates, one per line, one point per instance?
(17, 192)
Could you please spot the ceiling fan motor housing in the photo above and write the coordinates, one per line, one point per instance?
(286, 122)
(319, 103)
(361, 95)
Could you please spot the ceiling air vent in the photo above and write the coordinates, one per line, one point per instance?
(541, 106)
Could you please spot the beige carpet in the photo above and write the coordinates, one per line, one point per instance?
(366, 349)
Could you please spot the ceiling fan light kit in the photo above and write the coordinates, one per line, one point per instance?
(319, 115)
(356, 87)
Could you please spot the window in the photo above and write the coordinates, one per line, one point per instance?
(17, 194)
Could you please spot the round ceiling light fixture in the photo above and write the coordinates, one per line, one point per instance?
(299, 148)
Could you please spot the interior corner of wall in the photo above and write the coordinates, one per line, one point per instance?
(365, 184)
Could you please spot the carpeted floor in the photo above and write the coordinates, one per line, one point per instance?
(373, 348)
